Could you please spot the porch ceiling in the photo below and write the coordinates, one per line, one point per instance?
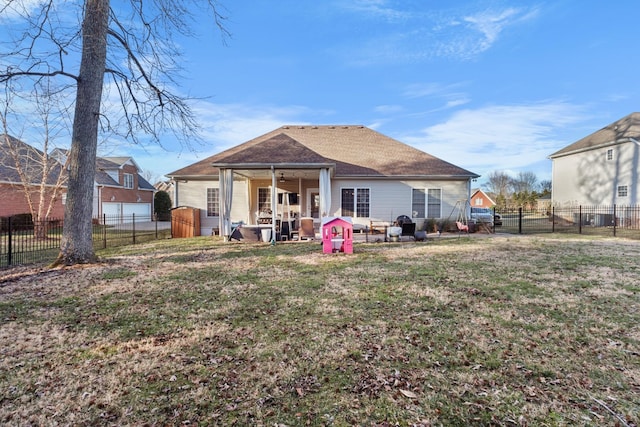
(289, 174)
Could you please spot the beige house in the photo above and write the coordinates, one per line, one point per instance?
(298, 172)
(601, 168)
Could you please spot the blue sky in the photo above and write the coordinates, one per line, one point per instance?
(486, 85)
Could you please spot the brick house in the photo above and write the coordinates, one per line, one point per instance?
(480, 199)
(119, 189)
(13, 190)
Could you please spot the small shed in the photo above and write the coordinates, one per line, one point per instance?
(337, 235)
(185, 222)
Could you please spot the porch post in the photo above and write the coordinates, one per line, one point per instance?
(274, 201)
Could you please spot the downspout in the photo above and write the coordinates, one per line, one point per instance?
(634, 172)
(99, 201)
(175, 193)
(468, 202)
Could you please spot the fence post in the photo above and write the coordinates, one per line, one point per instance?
(520, 220)
(580, 219)
(553, 219)
(493, 227)
(9, 243)
(155, 217)
(133, 227)
(104, 231)
(614, 220)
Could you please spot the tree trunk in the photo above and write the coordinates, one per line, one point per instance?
(77, 242)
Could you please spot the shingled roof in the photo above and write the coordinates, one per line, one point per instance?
(31, 162)
(623, 130)
(356, 151)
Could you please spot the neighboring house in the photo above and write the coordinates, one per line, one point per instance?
(13, 190)
(166, 186)
(318, 171)
(119, 189)
(600, 169)
(480, 199)
(543, 203)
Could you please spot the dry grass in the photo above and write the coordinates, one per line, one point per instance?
(500, 331)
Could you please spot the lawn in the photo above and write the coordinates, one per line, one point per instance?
(502, 330)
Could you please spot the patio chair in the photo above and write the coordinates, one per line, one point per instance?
(306, 230)
(408, 229)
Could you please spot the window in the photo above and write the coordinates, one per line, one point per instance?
(264, 199)
(362, 202)
(213, 202)
(479, 201)
(128, 180)
(418, 202)
(623, 190)
(610, 154)
(356, 202)
(434, 203)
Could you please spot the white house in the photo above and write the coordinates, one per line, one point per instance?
(315, 171)
(601, 168)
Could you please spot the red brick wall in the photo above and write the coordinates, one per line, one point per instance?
(13, 201)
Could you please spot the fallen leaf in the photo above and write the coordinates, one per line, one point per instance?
(409, 394)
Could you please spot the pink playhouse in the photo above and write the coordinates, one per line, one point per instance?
(337, 235)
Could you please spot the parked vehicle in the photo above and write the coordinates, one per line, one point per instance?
(485, 216)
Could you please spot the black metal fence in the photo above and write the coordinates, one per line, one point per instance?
(25, 241)
(612, 220)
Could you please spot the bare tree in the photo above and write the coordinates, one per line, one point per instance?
(524, 182)
(545, 187)
(39, 177)
(498, 183)
(130, 52)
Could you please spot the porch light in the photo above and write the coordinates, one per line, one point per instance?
(282, 177)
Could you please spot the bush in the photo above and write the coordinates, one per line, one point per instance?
(431, 225)
(162, 205)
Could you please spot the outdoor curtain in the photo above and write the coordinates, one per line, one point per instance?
(226, 195)
(325, 193)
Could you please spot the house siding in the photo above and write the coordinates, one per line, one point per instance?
(588, 178)
(392, 198)
(388, 198)
(194, 194)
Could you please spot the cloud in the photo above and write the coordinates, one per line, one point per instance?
(422, 36)
(448, 96)
(499, 137)
(388, 109)
(491, 23)
(11, 9)
(375, 9)
(223, 126)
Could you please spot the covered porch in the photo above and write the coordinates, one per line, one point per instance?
(289, 199)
